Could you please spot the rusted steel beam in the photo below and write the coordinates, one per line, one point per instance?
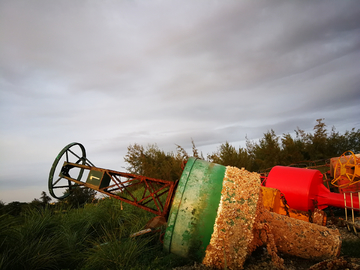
(121, 184)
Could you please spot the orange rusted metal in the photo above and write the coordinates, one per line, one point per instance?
(124, 186)
(346, 172)
(274, 201)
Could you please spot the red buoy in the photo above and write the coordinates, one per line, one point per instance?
(303, 189)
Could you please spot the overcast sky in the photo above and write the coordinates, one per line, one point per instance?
(109, 74)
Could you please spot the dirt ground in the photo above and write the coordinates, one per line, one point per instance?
(261, 260)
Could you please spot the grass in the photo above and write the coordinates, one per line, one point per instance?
(34, 243)
(93, 237)
(115, 253)
(8, 236)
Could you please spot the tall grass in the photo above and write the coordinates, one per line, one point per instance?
(115, 253)
(93, 237)
(8, 237)
(34, 243)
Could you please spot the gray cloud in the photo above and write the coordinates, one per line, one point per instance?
(110, 74)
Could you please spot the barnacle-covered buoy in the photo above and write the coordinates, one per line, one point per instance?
(217, 217)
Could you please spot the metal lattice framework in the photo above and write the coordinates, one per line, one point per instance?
(347, 167)
(150, 194)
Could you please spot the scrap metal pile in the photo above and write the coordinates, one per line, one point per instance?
(219, 215)
(242, 224)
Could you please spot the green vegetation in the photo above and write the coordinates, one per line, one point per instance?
(269, 151)
(79, 196)
(93, 237)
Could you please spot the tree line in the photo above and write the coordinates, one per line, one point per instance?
(268, 151)
(78, 198)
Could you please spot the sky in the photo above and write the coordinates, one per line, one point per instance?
(108, 74)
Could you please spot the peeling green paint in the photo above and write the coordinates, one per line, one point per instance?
(194, 209)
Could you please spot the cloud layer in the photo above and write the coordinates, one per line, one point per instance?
(109, 74)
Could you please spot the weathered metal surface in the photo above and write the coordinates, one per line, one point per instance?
(123, 186)
(229, 231)
(276, 202)
(98, 178)
(304, 188)
(242, 224)
(142, 232)
(352, 225)
(271, 199)
(194, 209)
(73, 152)
(150, 194)
(233, 235)
(346, 172)
(217, 214)
(156, 222)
